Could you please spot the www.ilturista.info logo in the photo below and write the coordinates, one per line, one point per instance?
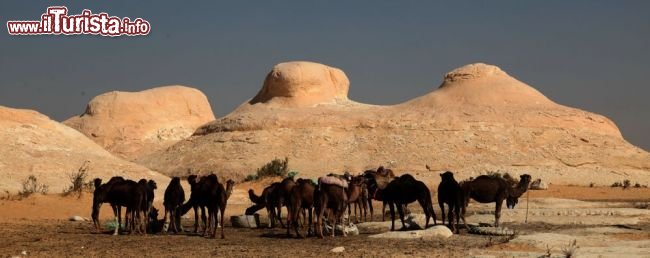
(56, 21)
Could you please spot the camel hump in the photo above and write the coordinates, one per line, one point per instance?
(332, 180)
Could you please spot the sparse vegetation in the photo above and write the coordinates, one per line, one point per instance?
(626, 184)
(32, 186)
(277, 167)
(570, 250)
(591, 184)
(78, 182)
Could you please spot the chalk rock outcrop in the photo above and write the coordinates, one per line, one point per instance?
(480, 119)
(130, 124)
(302, 84)
(32, 144)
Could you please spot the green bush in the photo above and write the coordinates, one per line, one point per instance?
(276, 167)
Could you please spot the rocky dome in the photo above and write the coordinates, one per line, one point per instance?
(480, 85)
(302, 84)
(129, 124)
(32, 144)
(480, 119)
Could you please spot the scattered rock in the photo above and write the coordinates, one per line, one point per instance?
(338, 249)
(245, 221)
(492, 231)
(78, 218)
(349, 230)
(438, 231)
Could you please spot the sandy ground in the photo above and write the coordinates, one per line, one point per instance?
(38, 225)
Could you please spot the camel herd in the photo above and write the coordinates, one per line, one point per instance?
(327, 200)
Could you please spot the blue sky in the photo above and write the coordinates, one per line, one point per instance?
(593, 55)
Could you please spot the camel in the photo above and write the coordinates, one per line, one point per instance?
(301, 198)
(193, 184)
(217, 205)
(100, 196)
(151, 187)
(174, 198)
(355, 192)
(334, 198)
(449, 192)
(282, 195)
(203, 191)
(265, 200)
(487, 189)
(119, 192)
(404, 190)
(380, 179)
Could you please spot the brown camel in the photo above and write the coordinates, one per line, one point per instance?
(119, 192)
(266, 200)
(192, 180)
(355, 196)
(449, 192)
(487, 189)
(380, 179)
(334, 198)
(100, 196)
(281, 196)
(151, 187)
(302, 197)
(204, 191)
(217, 206)
(404, 190)
(174, 198)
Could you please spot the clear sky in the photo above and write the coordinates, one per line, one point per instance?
(593, 55)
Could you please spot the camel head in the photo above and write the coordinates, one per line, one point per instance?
(517, 191)
(191, 179)
(152, 184)
(230, 184)
(447, 176)
(97, 182)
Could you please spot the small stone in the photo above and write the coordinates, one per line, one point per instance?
(78, 218)
(338, 249)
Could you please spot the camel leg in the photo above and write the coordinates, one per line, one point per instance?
(203, 216)
(383, 212)
(334, 224)
(451, 220)
(372, 209)
(291, 213)
(400, 210)
(223, 211)
(497, 212)
(216, 223)
(463, 209)
(117, 220)
(271, 217)
(310, 223)
(319, 220)
(196, 219)
(457, 211)
(442, 209)
(428, 209)
(364, 206)
(392, 215)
